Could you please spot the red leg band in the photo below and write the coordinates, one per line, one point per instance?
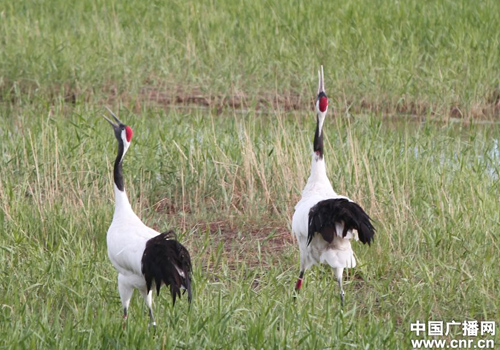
(299, 284)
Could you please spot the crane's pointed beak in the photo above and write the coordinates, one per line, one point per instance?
(114, 116)
(321, 84)
(110, 122)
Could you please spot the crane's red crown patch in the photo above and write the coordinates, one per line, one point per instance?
(323, 103)
(128, 133)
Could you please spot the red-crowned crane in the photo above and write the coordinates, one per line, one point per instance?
(325, 222)
(141, 255)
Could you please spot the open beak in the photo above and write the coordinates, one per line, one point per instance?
(321, 85)
(114, 116)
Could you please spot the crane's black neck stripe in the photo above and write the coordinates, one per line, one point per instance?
(117, 171)
(318, 140)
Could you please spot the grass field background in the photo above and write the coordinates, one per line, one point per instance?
(417, 57)
(219, 95)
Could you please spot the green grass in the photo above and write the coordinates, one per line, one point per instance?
(432, 189)
(419, 57)
(227, 179)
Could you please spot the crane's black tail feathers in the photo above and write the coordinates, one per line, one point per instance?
(325, 214)
(166, 261)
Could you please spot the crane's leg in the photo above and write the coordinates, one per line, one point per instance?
(303, 267)
(339, 271)
(126, 291)
(148, 298)
(300, 280)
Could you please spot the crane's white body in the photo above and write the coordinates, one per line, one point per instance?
(126, 240)
(338, 254)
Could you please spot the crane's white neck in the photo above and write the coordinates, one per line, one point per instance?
(321, 120)
(318, 181)
(318, 166)
(122, 204)
(123, 209)
(126, 144)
